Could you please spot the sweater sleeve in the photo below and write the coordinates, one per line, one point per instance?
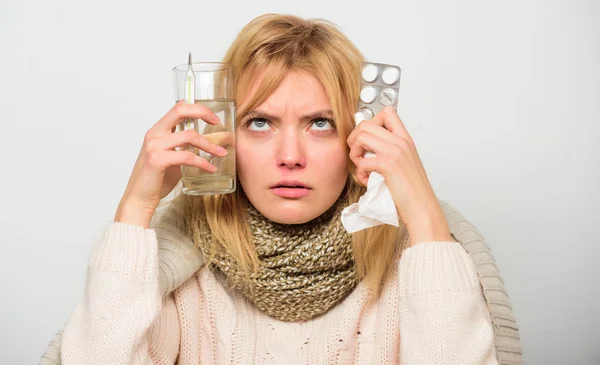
(443, 315)
(122, 318)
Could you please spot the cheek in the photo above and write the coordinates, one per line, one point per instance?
(332, 165)
(250, 159)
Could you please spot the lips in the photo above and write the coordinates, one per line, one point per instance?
(292, 184)
(290, 189)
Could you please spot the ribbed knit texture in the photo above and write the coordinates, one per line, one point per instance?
(506, 331)
(431, 311)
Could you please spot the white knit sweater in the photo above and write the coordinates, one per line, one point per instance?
(431, 311)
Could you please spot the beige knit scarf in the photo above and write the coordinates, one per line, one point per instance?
(304, 270)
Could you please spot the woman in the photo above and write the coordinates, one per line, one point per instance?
(276, 278)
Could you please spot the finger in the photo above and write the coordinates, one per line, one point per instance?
(375, 130)
(184, 138)
(364, 167)
(406, 145)
(390, 119)
(161, 160)
(224, 139)
(181, 111)
(366, 142)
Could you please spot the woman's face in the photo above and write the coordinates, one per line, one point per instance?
(291, 161)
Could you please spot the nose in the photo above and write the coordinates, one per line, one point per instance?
(291, 149)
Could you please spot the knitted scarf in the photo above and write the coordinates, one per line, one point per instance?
(304, 270)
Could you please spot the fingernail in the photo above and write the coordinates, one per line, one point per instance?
(212, 168)
(221, 151)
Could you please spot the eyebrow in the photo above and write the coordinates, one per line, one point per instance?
(318, 114)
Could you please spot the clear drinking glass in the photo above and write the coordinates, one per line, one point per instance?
(212, 88)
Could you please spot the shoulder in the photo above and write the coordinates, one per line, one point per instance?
(478, 250)
(490, 279)
(178, 257)
(461, 228)
(452, 214)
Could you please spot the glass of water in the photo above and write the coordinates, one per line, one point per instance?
(212, 87)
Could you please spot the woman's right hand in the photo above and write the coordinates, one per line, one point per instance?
(157, 169)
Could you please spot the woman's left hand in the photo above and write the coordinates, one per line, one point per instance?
(397, 160)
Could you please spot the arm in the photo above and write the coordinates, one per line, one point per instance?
(443, 315)
(125, 277)
(122, 314)
(178, 260)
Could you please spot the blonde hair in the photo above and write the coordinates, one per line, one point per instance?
(280, 44)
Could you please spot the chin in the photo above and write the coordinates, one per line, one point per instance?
(287, 211)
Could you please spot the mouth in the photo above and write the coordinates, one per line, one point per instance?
(290, 189)
(288, 184)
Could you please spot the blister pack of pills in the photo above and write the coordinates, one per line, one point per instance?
(379, 87)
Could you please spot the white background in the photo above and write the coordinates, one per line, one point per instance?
(501, 98)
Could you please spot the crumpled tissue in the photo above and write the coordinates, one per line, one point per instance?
(375, 207)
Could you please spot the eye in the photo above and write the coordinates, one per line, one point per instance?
(258, 124)
(322, 124)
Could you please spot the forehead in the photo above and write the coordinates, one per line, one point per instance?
(298, 90)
